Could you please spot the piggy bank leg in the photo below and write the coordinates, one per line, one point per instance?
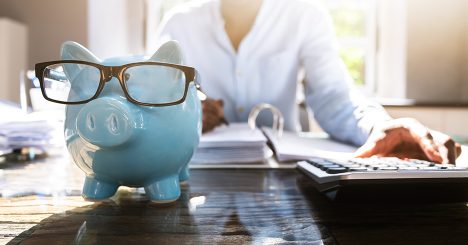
(184, 174)
(95, 190)
(164, 191)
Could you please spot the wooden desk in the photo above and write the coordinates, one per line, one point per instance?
(228, 207)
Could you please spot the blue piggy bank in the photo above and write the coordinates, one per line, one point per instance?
(120, 143)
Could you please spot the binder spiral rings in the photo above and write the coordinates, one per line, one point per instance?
(278, 119)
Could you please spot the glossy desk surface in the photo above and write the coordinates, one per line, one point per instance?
(230, 206)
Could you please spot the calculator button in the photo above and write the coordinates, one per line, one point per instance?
(317, 162)
(408, 168)
(328, 166)
(429, 168)
(380, 166)
(358, 169)
(337, 170)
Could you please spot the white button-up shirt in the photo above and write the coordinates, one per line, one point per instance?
(286, 35)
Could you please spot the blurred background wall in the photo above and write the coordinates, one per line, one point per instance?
(107, 27)
(36, 29)
(49, 22)
(437, 53)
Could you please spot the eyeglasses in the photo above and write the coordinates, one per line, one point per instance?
(143, 83)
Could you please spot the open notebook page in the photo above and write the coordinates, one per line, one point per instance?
(292, 146)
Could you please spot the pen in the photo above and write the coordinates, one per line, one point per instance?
(223, 120)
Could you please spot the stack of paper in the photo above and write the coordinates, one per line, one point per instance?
(236, 143)
(19, 129)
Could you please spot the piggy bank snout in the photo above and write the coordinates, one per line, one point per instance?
(105, 122)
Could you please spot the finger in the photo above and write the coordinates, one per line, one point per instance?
(451, 151)
(367, 150)
(451, 154)
(458, 149)
(447, 147)
(408, 155)
(430, 148)
(381, 147)
(445, 154)
(427, 143)
(408, 150)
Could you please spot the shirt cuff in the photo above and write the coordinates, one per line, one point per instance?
(370, 118)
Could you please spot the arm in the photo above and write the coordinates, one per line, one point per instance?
(348, 116)
(341, 111)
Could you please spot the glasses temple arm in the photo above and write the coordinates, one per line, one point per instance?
(196, 80)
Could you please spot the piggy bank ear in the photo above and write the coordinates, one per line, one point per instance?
(75, 51)
(169, 52)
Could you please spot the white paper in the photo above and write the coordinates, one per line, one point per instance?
(293, 146)
(233, 135)
(37, 129)
(233, 143)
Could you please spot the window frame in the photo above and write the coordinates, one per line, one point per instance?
(368, 42)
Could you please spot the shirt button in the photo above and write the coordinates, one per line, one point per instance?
(240, 109)
(238, 73)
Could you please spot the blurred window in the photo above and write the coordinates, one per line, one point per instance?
(355, 27)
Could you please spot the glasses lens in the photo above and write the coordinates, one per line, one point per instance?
(71, 82)
(155, 84)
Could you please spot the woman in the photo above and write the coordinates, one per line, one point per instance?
(250, 52)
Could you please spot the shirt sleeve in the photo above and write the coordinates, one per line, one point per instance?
(340, 110)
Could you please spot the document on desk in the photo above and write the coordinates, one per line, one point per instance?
(293, 146)
(233, 143)
(19, 129)
(233, 135)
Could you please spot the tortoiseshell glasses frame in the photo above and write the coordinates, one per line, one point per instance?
(108, 72)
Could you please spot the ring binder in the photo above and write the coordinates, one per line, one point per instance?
(278, 119)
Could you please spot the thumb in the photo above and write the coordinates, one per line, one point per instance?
(367, 150)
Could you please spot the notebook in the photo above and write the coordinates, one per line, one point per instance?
(293, 146)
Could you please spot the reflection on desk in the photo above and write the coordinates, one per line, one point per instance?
(54, 175)
(225, 206)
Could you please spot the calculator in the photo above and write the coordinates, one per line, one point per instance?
(387, 179)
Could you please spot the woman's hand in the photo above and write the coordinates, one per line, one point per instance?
(408, 138)
(213, 114)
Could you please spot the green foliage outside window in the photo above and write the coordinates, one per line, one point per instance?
(354, 59)
(350, 23)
